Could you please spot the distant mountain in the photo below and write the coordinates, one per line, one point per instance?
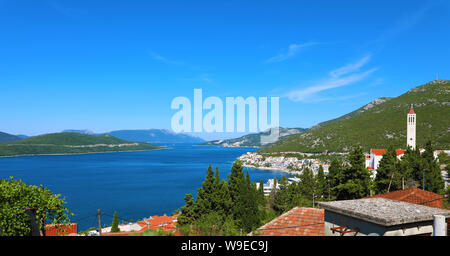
(5, 137)
(155, 136)
(380, 123)
(70, 143)
(254, 139)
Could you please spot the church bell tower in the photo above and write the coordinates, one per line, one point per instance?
(411, 129)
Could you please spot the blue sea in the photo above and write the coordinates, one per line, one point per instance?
(135, 184)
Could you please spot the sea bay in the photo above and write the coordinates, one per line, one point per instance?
(135, 184)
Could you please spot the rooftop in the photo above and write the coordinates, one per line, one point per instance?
(383, 211)
(414, 196)
(299, 221)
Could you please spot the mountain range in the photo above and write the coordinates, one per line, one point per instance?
(6, 137)
(254, 139)
(159, 136)
(380, 123)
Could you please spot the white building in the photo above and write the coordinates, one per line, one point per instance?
(411, 129)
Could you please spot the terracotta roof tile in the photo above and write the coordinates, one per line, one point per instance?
(299, 221)
(414, 196)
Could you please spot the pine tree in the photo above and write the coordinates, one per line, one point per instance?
(334, 178)
(205, 194)
(355, 181)
(434, 181)
(188, 214)
(115, 223)
(388, 176)
(321, 183)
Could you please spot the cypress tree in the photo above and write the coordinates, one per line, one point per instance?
(188, 214)
(206, 193)
(115, 223)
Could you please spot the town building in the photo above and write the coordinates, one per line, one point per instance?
(70, 229)
(414, 196)
(411, 129)
(299, 221)
(378, 217)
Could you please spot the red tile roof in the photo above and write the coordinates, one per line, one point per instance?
(299, 221)
(380, 152)
(414, 196)
(411, 111)
(61, 229)
(166, 223)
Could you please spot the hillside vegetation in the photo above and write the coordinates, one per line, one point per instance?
(252, 140)
(380, 123)
(70, 143)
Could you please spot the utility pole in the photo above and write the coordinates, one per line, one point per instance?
(99, 222)
(423, 180)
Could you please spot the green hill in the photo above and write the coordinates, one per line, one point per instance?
(70, 143)
(252, 140)
(380, 123)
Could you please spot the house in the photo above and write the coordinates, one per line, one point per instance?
(299, 221)
(376, 155)
(414, 196)
(165, 223)
(70, 229)
(378, 217)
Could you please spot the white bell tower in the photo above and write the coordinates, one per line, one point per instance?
(411, 129)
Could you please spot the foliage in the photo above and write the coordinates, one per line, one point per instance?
(354, 180)
(223, 207)
(69, 143)
(379, 124)
(18, 199)
(115, 223)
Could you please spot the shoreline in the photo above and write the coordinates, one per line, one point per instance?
(225, 146)
(85, 153)
(270, 169)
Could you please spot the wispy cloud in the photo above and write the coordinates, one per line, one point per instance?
(292, 50)
(160, 58)
(343, 76)
(350, 68)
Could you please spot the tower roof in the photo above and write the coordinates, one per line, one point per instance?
(411, 111)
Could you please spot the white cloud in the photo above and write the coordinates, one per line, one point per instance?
(346, 75)
(350, 68)
(293, 50)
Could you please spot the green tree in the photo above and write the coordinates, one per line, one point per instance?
(321, 183)
(388, 176)
(355, 181)
(334, 178)
(434, 181)
(17, 199)
(115, 223)
(205, 196)
(188, 214)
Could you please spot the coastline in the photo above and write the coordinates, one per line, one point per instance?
(226, 146)
(86, 153)
(270, 169)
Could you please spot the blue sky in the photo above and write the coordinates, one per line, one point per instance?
(108, 65)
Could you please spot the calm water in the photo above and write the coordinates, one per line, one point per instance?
(135, 184)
